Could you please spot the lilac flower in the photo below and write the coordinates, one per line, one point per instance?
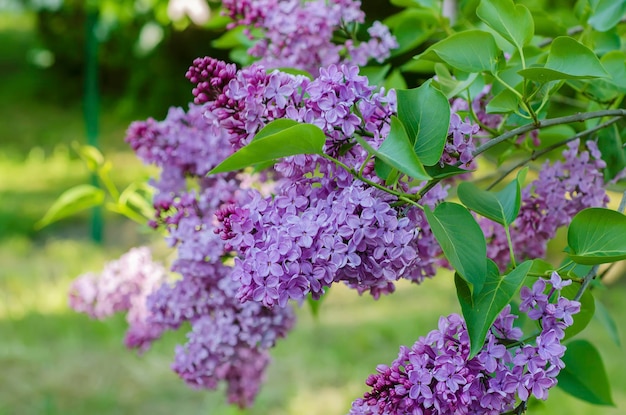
(436, 377)
(123, 286)
(548, 203)
(460, 145)
(557, 283)
(300, 34)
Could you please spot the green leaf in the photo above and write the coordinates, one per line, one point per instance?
(605, 319)
(397, 152)
(92, 157)
(425, 114)
(375, 74)
(449, 85)
(597, 236)
(232, 38)
(587, 309)
(275, 127)
(316, 304)
(541, 266)
(512, 22)
(438, 172)
(415, 3)
(506, 101)
(138, 197)
(615, 64)
(469, 51)
(461, 240)
(72, 201)
(290, 141)
(395, 81)
(501, 207)
(584, 376)
(606, 14)
(568, 59)
(292, 71)
(610, 145)
(547, 24)
(497, 292)
(412, 28)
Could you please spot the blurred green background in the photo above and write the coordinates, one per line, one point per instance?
(54, 361)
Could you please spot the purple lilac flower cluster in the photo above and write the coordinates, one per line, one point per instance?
(316, 232)
(461, 144)
(123, 286)
(562, 189)
(479, 109)
(299, 34)
(240, 102)
(321, 225)
(228, 340)
(435, 376)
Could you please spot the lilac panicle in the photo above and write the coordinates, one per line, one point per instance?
(123, 286)
(562, 189)
(435, 376)
(297, 34)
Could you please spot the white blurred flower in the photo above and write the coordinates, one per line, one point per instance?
(197, 10)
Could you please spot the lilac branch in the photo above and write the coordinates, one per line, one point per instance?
(578, 117)
(536, 154)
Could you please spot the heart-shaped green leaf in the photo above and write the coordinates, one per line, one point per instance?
(397, 151)
(425, 114)
(468, 51)
(568, 59)
(481, 309)
(597, 236)
(461, 240)
(505, 101)
(606, 14)
(512, 22)
(501, 207)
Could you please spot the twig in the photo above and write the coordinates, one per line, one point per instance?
(536, 154)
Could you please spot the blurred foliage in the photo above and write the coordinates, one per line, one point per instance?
(140, 46)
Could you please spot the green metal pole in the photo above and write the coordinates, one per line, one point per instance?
(90, 105)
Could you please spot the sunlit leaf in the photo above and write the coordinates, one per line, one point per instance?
(288, 141)
(568, 59)
(72, 201)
